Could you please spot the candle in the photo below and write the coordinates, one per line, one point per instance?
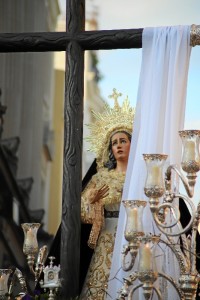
(132, 223)
(198, 228)
(2, 285)
(189, 153)
(30, 239)
(145, 258)
(154, 176)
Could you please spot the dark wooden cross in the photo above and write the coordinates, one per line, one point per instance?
(74, 41)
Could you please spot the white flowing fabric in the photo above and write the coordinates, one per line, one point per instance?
(160, 112)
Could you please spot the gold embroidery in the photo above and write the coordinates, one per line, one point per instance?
(113, 179)
(97, 224)
(98, 274)
(97, 278)
(93, 213)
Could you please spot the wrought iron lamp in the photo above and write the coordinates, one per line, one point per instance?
(162, 203)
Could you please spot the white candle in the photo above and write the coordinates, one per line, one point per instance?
(198, 228)
(189, 153)
(30, 239)
(145, 258)
(132, 224)
(2, 284)
(154, 176)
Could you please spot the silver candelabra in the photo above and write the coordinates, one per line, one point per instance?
(36, 259)
(163, 203)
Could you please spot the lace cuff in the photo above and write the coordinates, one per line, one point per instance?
(87, 211)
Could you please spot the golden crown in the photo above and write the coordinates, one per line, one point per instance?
(111, 120)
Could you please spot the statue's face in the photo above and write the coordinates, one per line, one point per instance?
(120, 146)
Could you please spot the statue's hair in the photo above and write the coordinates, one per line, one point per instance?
(112, 163)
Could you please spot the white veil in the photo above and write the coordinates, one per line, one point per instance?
(159, 116)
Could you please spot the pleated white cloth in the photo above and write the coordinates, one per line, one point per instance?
(160, 112)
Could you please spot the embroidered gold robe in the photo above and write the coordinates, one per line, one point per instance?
(95, 285)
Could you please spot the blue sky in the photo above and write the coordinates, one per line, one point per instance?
(121, 69)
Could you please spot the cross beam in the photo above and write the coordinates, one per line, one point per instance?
(58, 41)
